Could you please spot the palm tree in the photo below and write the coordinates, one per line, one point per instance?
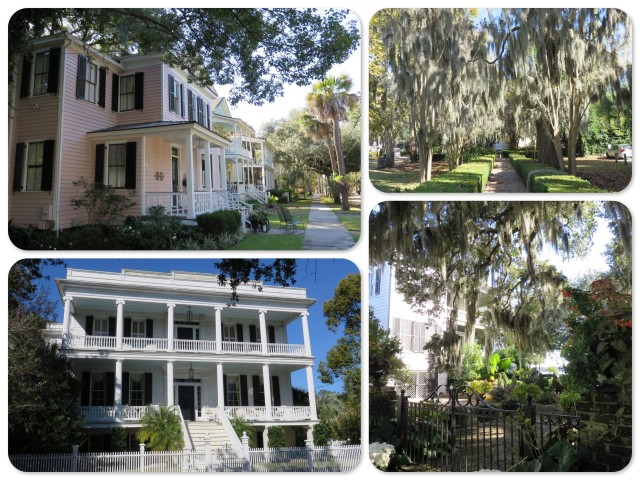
(330, 101)
(161, 430)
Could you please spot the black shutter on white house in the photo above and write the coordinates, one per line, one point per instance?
(239, 333)
(110, 387)
(88, 325)
(125, 388)
(272, 334)
(127, 327)
(190, 105)
(112, 326)
(148, 388)
(99, 176)
(244, 391)
(85, 393)
(149, 328)
(181, 100)
(275, 388)
(172, 95)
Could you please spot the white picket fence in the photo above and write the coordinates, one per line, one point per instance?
(295, 459)
(305, 459)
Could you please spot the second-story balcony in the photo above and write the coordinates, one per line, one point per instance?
(97, 342)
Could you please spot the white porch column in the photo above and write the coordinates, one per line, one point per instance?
(312, 393)
(66, 322)
(305, 332)
(310, 434)
(190, 177)
(263, 331)
(266, 379)
(119, 323)
(223, 168)
(117, 396)
(218, 314)
(170, 400)
(170, 320)
(220, 384)
(143, 183)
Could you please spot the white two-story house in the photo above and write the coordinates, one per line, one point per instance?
(133, 123)
(136, 339)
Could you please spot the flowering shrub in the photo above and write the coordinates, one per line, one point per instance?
(599, 345)
(381, 454)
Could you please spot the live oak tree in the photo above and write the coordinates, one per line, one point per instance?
(257, 51)
(464, 254)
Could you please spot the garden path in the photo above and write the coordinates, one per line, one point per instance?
(504, 178)
(324, 230)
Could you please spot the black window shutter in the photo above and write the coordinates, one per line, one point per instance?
(111, 389)
(138, 100)
(130, 167)
(181, 100)
(54, 70)
(125, 388)
(258, 400)
(149, 329)
(112, 326)
(115, 92)
(88, 325)
(102, 87)
(244, 391)
(253, 337)
(18, 167)
(225, 388)
(127, 327)
(86, 389)
(46, 182)
(239, 333)
(81, 77)
(25, 79)
(172, 97)
(208, 119)
(148, 388)
(190, 105)
(99, 178)
(272, 334)
(275, 386)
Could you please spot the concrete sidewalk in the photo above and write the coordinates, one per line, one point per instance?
(504, 178)
(325, 231)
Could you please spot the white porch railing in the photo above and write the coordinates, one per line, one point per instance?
(206, 346)
(149, 344)
(257, 414)
(241, 347)
(291, 413)
(174, 203)
(91, 341)
(286, 349)
(237, 150)
(112, 414)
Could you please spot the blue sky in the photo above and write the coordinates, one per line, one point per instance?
(319, 276)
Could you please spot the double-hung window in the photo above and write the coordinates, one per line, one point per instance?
(127, 93)
(136, 390)
(34, 166)
(41, 73)
(233, 391)
(116, 165)
(98, 389)
(101, 327)
(138, 329)
(91, 83)
(229, 333)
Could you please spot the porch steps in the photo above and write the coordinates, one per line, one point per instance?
(217, 434)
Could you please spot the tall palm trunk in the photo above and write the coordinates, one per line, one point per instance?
(342, 170)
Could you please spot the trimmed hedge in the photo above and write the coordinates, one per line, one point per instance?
(220, 222)
(543, 178)
(471, 177)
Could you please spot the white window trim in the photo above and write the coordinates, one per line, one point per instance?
(86, 82)
(32, 79)
(133, 107)
(25, 165)
(139, 321)
(106, 164)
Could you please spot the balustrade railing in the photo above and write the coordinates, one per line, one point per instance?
(174, 203)
(205, 346)
(91, 341)
(241, 347)
(286, 349)
(153, 344)
(111, 413)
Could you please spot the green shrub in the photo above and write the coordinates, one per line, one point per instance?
(322, 433)
(481, 387)
(543, 178)
(277, 437)
(118, 441)
(241, 426)
(467, 178)
(568, 399)
(522, 390)
(220, 222)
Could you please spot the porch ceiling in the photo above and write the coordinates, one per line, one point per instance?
(172, 131)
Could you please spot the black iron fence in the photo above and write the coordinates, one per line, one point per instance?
(461, 432)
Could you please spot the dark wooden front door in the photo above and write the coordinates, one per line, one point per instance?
(186, 400)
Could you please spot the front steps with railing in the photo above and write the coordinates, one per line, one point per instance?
(218, 436)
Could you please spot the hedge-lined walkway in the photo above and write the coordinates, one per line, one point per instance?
(504, 178)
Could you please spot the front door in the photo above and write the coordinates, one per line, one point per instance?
(175, 178)
(186, 400)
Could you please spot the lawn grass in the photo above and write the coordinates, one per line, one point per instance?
(266, 241)
(351, 220)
